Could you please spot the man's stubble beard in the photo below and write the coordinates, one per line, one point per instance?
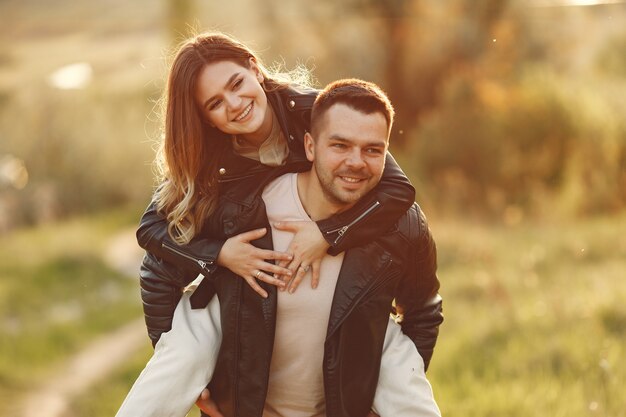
(332, 194)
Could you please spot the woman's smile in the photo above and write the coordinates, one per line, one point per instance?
(243, 115)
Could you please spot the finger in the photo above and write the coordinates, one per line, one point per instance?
(207, 405)
(283, 263)
(293, 265)
(251, 235)
(288, 226)
(274, 269)
(297, 280)
(203, 400)
(270, 279)
(275, 255)
(285, 276)
(204, 395)
(316, 266)
(293, 269)
(256, 287)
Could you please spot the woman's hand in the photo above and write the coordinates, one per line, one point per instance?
(250, 262)
(308, 247)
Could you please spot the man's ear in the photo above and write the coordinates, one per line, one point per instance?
(309, 147)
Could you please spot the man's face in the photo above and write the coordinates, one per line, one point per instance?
(348, 153)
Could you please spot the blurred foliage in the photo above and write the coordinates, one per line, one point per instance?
(83, 149)
(611, 57)
(542, 144)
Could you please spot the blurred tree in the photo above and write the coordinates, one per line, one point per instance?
(611, 58)
(420, 44)
(180, 15)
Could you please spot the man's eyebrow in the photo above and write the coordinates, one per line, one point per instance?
(230, 80)
(338, 138)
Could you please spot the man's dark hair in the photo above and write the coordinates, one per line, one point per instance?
(360, 95)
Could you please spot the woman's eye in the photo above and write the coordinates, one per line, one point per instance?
(238, 83)
(215, 104)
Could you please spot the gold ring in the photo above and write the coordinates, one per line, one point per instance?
(257, 275)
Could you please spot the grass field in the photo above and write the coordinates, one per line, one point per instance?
(535, 322)
(535, 319)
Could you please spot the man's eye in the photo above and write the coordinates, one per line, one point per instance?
(338, 145)
(374, 151)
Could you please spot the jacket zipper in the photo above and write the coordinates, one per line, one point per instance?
(200, 262)
(344, 229)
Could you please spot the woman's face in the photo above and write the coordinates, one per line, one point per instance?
(232, 99)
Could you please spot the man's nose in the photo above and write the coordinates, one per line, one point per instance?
(355, 159)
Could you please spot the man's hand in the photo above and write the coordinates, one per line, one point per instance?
(207, 405)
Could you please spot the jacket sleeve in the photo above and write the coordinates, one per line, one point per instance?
(160, 293)
(418, 301)
(374, 214)
(198, 256)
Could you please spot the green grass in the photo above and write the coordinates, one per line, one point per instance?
(56, 295)
(535, 322)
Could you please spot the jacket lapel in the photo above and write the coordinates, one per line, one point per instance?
(361, 267)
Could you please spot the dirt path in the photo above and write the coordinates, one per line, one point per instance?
(101, 357)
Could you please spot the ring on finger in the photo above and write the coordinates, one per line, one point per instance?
(305, 268)
(258, 274)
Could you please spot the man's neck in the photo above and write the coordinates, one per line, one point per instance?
(313, 199)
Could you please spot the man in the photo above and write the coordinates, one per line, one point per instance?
(320, 354)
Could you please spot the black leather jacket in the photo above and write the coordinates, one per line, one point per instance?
(178, 265)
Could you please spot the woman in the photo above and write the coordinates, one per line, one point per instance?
(228, 123)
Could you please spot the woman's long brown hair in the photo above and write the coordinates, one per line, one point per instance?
(189, 153)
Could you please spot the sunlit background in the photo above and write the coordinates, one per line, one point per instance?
(511, 123)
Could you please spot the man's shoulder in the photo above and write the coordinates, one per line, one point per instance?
(413, 223)
(413, 226)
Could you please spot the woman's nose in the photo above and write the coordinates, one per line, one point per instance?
(233, 101)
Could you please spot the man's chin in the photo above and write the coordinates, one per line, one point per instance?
(349, 197)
